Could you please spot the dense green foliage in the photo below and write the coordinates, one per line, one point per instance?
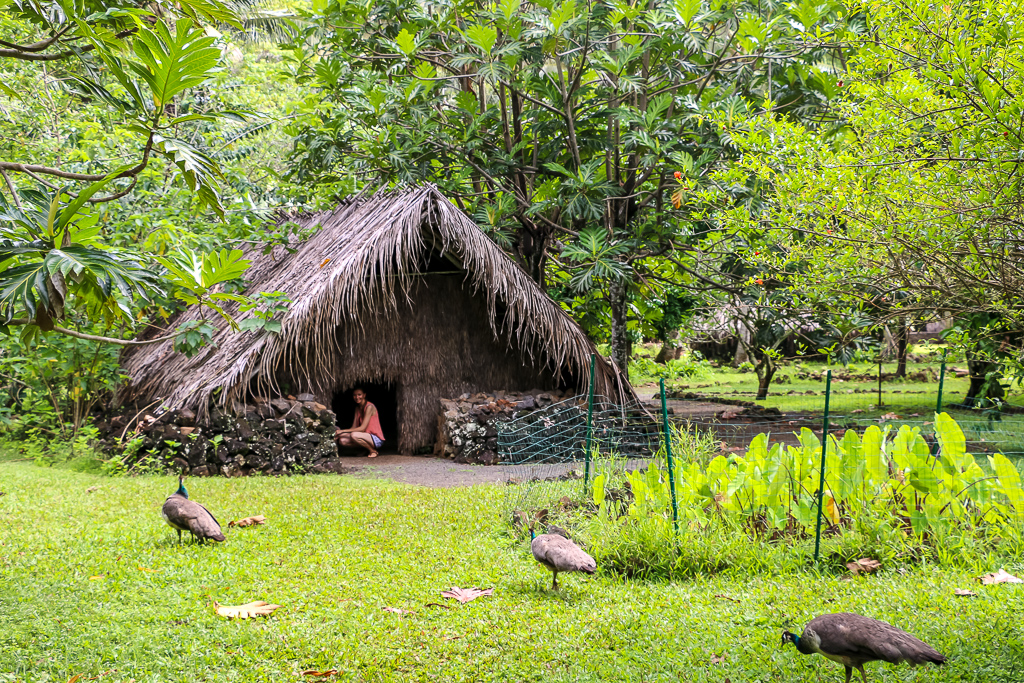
(916, 207)
(580, 136)
(886, 495)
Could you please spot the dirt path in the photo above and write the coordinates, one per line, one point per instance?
(424, 470)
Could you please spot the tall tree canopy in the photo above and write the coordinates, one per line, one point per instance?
(917, 208)
(578, 130)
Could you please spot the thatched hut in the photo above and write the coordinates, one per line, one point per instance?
(400, 293)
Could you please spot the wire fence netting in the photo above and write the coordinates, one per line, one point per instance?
(797, 474)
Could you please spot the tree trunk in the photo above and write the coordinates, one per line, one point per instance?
(765, 369)
(743, 339)
(617, 294)
(670, 349)
(978, 391)
(532, 249)
(902, 339)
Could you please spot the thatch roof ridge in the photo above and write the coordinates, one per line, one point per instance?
(367, 250)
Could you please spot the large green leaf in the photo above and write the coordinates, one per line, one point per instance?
(169, 64)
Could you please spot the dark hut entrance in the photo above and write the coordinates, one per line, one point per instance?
(384, 395)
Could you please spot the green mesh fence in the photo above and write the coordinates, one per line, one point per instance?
(558, 433)
(860, 396)
(788, 482)
(545, 451)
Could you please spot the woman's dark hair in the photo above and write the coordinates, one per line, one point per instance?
(355, 389)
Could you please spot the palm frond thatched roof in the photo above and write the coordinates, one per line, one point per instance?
(365, 256)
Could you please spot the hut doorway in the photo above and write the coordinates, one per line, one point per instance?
(384, 395)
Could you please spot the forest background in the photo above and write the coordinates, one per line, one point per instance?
(836, 169)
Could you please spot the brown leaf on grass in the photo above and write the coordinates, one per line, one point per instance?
(864, 565)
(1000, 576)
(436, 604)
(75, 678)
(397, 610)
(856, 411)
(249, 521)
(146, 569)
(726, 597)
(257, 608)
(98, 577)
(464, 595)
(320, 674)
(519, 520)
(541, 516)
(889, 416)
(715, 659)
(91, 489)
(961, 591)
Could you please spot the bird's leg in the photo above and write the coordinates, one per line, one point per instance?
(862, 674)
(554, 581)
(849, 672)
(179, 536)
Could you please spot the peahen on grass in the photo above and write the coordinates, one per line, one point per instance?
(187, 515)
(853, 640)
(559, 554)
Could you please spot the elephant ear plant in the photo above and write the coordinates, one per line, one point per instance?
(882, 483)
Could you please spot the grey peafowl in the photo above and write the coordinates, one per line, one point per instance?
(187, 515)
(853, 640)
(559, 554)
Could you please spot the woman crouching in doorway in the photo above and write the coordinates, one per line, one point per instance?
(365, 430)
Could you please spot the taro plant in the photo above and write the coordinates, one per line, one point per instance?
(774, 488)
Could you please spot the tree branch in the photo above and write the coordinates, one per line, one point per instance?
(96, 337)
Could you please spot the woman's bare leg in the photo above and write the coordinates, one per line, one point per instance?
(366, 441)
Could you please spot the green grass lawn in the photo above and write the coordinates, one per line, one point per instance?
(799, 386)
(336, 550)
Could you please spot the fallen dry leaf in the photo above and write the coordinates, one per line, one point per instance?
(889, 416)
(320, 674)
(856, 411)
(726, 597)
(75, 678)
(717, 660)
(97, 577)
(146, 569)
(464, 595)
(398, 610)
(1000, 576)
(864, 565)
(257, 608)
(249, 521)
(961, 591)
(90, 490)
(436, 604)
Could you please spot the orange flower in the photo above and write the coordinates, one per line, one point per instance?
(759, 281)
(678, 175)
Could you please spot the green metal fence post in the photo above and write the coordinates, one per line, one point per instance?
(590, 426)
(942, 377)
(880, 404)
(668, 456)
(824, 451)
